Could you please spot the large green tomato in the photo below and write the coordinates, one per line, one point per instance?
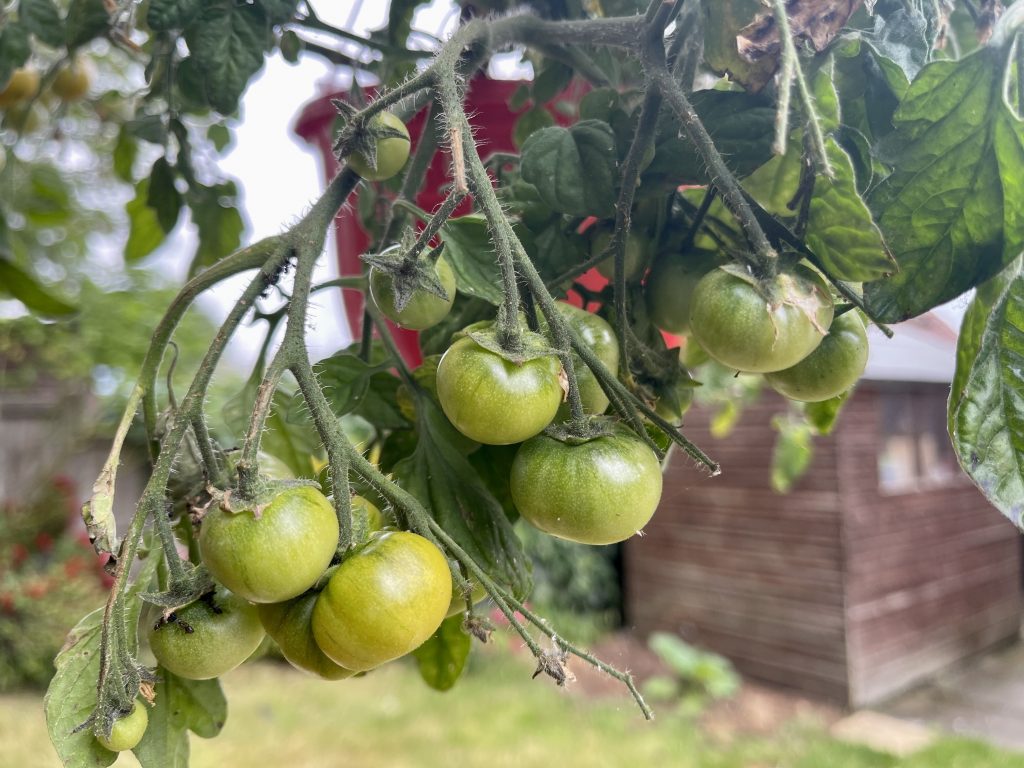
(599, 336)
(207, 638)
(750, 330)
(127, 731)
(494, 401)
(289, 624)
(275, 553)
(385, 600)
(391, 152)
(424, 309)
(636, 254)
(669, 287)
(600, 491)
(829, 370)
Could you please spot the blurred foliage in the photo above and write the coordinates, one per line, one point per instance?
(48, 577)
(695, 677)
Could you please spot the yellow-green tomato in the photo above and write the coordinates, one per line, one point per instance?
(392, 152)
(23, 85)
(383, 601)
(600, 491)
(424, 309)
(368, 511)
(636, 254)
(760, 330)
(127, 731)
(207, 638)
(73, 80)
(829, 370)
(458, 603)
(494, 401)
(273, 553)
(289, 624)
(599, 336)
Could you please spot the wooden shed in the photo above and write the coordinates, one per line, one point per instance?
(882, 566)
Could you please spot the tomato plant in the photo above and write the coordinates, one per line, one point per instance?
(492, 400)
(72, 81)
(760, 326)
(271, 551)
(599, 491)
(384, 601)
(746, 212)
(127, 731)
(208, 637)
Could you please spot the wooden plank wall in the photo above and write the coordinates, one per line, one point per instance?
(738, 569)
(932, 575)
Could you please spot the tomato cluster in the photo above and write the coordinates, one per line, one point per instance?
(21, 99)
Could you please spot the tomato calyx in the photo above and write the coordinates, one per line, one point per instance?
(530, 346)
(592, 428)
(193, 585)
(235, 501)
(788, 288)
(409, 275)
(361, 136)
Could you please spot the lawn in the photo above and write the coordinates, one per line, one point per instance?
(497, 716)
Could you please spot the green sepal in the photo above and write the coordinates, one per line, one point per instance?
(408, 276)
(196, 583)
(593, 428)
(532, 346)
(360, 136)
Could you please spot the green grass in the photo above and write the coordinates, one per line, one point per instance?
(496, 717)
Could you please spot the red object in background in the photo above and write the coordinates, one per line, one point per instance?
(493, 122)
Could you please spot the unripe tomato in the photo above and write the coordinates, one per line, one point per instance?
(209, 637)
(668, 289)
(494, 401)
(829, 370)
(368, 511)
(73, 80)
(599, 336)
(23, 85)
(275, 553)
(127, 731)
(424, 309)
(742, 328)
(392, 153)
(599, 491)
(289, 624)
(636, 254)
(383, 601)
(458, 603)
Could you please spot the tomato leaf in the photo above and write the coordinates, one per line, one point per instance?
(71, 695)
(14, 50)
(181, 706)
(144, 231)
(822, 416)
(467, 247)
(123, 157)
(987, 402)
(723, 20)
(440, 476)
(227, 43)
(792, 453)
(165, 15)
(218, 221)
(442, 658)
(85, 20)
(950, 211)
(574, 169)
(20, 285)
(840, 229)
(162, 196)
(42, 19)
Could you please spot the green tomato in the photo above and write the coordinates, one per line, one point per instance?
(23, 85)
(458, 604)
(207, 638)
(369, 512)
(599, 336)
(829, 370)
(669, 287)
(673, 405)
(275, 553)
(385, 600)
(73, 80)
(127, 731)
(494, 401)
(424, 309)
(392, 153)
(600, 491)
(739, 327)
(289, 624)
(636, 254)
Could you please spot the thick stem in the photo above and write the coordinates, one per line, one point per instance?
(765, 259)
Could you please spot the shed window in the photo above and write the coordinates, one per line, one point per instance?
(915, 451)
